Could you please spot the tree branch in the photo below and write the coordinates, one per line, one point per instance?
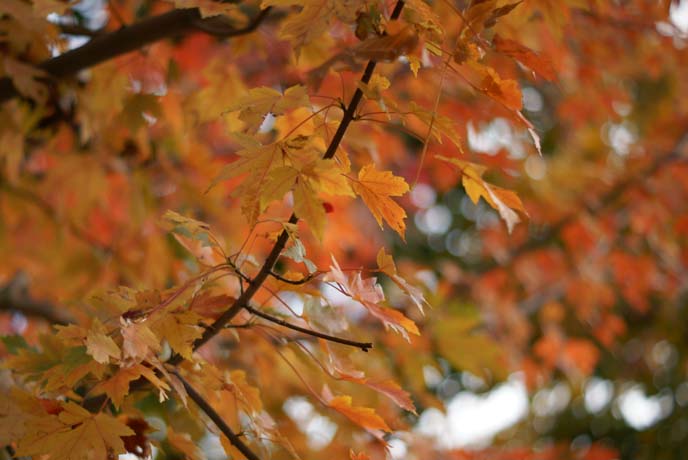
(253, 287)
(107, 46)
(14, 296)
(78, 30)
(352, 343)
(215, 417)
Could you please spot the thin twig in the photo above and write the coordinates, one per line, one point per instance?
(217, 420)
(365, 346)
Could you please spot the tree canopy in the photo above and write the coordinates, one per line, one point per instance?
(307, 228)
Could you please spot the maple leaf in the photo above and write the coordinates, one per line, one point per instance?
(254, 104)
(309, 208)
(100, 345)
(188, 227)
(76, 434)
(180, 329)
(184, 444)
(27, 79)
(504, 201)
(506, 91)
(374, 88)
(386, 265)
(376, 188)
(387, 47)
(466, 347)
(370, 295)
(139, 341)
(248, 395)
(314, 18)
(387, 387)
(117, 386)
(256, 161)
(438, 124)
(362, 416)
(525, 56)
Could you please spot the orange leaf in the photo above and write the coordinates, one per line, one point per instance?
(363, 416)
(525, 56)
(358, 456)
(376, 187)
(506, 92)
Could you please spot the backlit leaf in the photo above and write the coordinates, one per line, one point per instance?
(376, 188)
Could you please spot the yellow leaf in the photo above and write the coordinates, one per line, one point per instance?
(180, 330)
(100, 345)
(504, 201)
(139, 341)
(373, 90)
(224, 83)
(440, 125)
(248, 395)
(385, 263)
(79, 435)
(117, 386)
(376, 187)
(329, 178)
(279, 182)
(254, 104)
(393, 319)
(183, 443)
(363, 416)
(314, 18)
(308, 207)
(467, 348)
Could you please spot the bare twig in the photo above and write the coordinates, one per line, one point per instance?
(352, 343)
(215, 417)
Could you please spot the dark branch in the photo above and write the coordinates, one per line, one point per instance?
(107, 46)
(253, 287)
(215, 417)
(78, 30)
(352, 343)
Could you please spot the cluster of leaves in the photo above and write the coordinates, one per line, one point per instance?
(267, 122)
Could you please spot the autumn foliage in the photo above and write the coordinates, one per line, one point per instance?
(288, 228)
